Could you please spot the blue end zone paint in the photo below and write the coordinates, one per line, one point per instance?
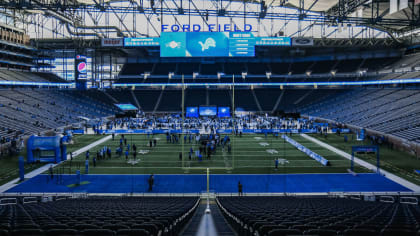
(417, 171)
(219, 183)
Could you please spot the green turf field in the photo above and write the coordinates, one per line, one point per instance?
(394, 161)
(9, 164)
(249, 155)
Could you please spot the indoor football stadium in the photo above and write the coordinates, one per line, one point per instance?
(209, 117)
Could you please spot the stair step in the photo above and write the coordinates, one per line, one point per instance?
(192, 227)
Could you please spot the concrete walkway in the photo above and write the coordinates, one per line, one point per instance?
(44, 168)
(365, 164)
(207, 226)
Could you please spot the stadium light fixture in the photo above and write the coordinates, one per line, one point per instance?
(308, 73)
(219, 74)
(170, 75)
(146, 75)
(268, 74)
(362, 72)
(195, 74)
(244, 74)
(333, 72)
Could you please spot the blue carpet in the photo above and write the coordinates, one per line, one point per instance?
(219, 183)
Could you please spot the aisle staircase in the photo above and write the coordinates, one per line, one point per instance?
(210, 223)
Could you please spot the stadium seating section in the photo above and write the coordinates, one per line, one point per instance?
(28, 111)
(99, 216)
(254, 68)
(10, 75)
(392, 111)
(259, 100)
(318, 216)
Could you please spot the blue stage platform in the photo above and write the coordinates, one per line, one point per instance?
(277, 183)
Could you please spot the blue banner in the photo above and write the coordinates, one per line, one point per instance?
(78, 131)
(307, 151)
(321, 124)
(224, 131)
(270, 131)
(343, 131)
(148, 131)
(196, 131)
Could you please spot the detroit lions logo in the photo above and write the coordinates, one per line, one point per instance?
(210, 42)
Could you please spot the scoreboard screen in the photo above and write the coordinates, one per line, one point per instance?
(207, 44)
(126, 107)
(223, 112)
(208, 111)
(192, 112)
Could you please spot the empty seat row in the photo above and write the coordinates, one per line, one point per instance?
(318, 216)
(99, 216)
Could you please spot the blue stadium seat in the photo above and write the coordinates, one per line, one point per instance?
(284, 232)
(132, 232)
(61, 232)
(94, 232)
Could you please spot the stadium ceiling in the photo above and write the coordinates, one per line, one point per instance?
(378, 11)
(304, 18)
(406, 19)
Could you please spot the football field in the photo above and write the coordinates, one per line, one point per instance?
(250, 154)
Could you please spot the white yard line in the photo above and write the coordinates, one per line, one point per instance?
(44, 168)
(365, 164)
(94, 144)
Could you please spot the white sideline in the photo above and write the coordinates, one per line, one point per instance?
(44, 168)
(369, 166)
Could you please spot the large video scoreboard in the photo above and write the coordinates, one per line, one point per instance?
(207, 44)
